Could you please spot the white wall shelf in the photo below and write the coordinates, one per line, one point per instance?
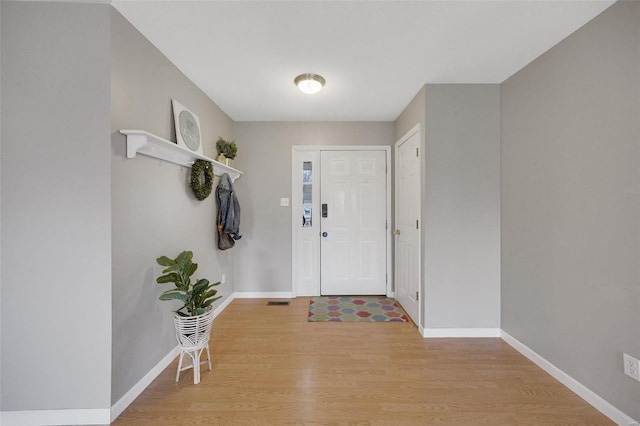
(141, 142)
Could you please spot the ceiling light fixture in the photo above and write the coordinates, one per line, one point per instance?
(309, 83)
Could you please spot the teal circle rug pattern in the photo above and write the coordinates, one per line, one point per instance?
(355, 308)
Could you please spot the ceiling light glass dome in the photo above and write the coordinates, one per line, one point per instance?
(309, 83)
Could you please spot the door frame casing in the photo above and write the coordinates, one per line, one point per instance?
(415, 129)
(296, 200)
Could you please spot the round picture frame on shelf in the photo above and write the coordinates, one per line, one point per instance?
(187, 125)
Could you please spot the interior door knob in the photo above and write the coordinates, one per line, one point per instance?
(324, 234)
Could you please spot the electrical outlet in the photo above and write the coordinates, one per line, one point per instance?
(631, 366)
(284, 202)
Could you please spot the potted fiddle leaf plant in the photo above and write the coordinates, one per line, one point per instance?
(196, 297)
(227, 151)
(193, 320)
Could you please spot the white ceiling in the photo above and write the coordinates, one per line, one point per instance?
(375, 55)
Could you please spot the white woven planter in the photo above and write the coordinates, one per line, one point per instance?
(193, 337)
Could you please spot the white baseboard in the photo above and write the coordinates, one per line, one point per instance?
(581, 390)
(98, 416)
(460, 332)
(226, 302)
(142, 384)
(122, 404)
(263, 295)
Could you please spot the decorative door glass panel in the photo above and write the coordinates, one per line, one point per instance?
(307, 182)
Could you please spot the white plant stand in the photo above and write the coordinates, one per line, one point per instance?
(141, 142)
(193, 337)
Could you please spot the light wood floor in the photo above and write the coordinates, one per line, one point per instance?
(272, 367)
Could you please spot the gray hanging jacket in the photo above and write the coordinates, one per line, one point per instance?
(229, 207)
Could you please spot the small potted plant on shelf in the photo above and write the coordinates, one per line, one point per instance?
(193, 320)
(227, 151)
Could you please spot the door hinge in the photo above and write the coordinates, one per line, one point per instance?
(386, 225)
(417, 296)
(386, 278)
(417, 152)
(417, 224)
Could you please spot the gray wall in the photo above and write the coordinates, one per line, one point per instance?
(1, 102)
(570, 206)
(412, 114)
(56, 216)
(462, 186)
(264, 153)
(153, 209)
(460, 140)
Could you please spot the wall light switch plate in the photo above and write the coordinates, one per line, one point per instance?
(284, 202)
(223, 278)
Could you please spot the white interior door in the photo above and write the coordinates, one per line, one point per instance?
(353, 223)
(407, 232)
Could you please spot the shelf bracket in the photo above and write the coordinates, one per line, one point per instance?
(134, 143)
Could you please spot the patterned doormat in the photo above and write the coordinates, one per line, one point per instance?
(355, 308)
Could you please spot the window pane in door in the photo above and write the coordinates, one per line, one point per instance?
(307, 179)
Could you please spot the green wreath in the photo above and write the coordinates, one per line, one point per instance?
(201, 189)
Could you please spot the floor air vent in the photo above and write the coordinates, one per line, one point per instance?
(272, 303)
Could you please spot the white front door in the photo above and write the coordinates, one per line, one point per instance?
(353, 223)
(407, 232)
